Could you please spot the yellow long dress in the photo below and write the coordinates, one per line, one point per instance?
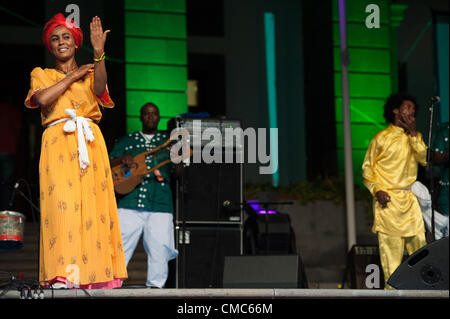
(80, 240)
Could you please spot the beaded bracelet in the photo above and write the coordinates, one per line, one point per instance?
(102, 57)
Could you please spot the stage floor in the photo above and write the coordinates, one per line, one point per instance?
(154, 293)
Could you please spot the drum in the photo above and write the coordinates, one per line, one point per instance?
(11, 230)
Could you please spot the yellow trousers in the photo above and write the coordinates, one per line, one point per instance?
(392, 249)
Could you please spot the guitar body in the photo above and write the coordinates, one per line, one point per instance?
(126, 178)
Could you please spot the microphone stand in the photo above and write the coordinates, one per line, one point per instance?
(29, 202)
(34, 218)
(430, 168)
(181, 189)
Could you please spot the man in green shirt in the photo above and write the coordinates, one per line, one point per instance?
(440, 159)
(148, 209)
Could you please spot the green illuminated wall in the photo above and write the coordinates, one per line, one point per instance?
(156, 58)
(372, 73)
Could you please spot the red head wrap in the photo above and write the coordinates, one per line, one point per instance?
(60, 20)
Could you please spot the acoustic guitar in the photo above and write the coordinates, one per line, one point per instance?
(126, 178)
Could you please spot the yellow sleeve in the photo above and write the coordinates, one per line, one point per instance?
(370, 178)
(38, 81)
(419, 147)
(104, 99)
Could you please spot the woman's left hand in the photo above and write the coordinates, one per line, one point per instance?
(98, 37)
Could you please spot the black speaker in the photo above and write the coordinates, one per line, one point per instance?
(269, 234)
(211, 192)
(283, 271)
(202, 250)
(426, 269)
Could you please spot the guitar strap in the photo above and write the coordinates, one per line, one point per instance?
(147, 137)
(156, 172)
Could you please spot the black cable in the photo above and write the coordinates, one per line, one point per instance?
(33, 209)
(6, 287)
(24, 286)
(29, 198)
(48, 283)
(85, 291)
(217, 230)
(33, 215)
(181, 189)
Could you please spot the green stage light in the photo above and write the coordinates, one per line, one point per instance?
(269, 34)
(155, 59)
(372, 74)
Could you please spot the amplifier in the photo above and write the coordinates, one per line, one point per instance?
(206, 190)
(202, 251)
(210, 131)
(365, 268)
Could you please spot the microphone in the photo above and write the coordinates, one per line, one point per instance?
(11, 201)
(435, 99)
(231, 206)
(179, 119)
(227, 204)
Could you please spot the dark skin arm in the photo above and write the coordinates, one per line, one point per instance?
(98, 39)
(46, 97)
(124, 160)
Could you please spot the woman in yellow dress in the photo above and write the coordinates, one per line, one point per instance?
(80, 242)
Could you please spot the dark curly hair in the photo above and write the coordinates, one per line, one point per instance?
(394, 101)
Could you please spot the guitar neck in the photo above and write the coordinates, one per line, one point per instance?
(156, 148)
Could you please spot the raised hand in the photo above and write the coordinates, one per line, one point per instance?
(98, 37)
(408, 122)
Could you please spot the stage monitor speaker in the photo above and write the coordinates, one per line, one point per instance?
(364, 261)
(207, 189)
(202, 250)
(282, 271)
(426, 269)
(269, 234)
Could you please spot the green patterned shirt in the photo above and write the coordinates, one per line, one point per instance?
(151, 195)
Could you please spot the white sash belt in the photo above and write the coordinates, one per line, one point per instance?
(84, 132)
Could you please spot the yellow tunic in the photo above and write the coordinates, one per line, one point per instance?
(391, 165)
(80, 231)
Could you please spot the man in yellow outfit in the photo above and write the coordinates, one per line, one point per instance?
(389, 170)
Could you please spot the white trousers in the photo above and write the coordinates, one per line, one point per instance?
(158, 239)
(440, 221)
